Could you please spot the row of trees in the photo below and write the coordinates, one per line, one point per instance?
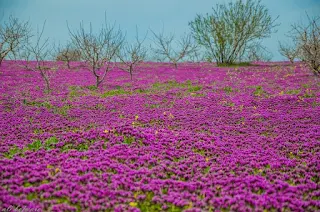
(231, 34)
(305, 43)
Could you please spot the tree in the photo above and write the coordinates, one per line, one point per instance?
(289, 51)
(98, 50)
(13, 34)
(67, 53)
(131, 55)
(307, 39)
(165, 48)
(257, 52)
(227, 33)
(40, 52)
(22, 53)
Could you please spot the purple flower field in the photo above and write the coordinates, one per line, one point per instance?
(196, 138)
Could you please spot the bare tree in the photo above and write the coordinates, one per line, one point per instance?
(307, 39)
(165, 48)
(131, 55)
(13, 34)
(67, 53)
(227, 33)
(289, 51)
(22, 53)
(257, 52)
(40, 51)
(98, 50)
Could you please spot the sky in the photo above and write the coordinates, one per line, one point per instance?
(171, 15)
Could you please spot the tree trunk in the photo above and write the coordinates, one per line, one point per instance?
(130, 71)
(175, 65)
(97, 81)
(46, 80)
(291, 60)
(1, 59)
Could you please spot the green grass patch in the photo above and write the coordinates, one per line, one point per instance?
(115, 92)
(50, 143)
(128, 139)
(35, 146)
(309, 94)
(228, 89)
(259, 91)
(235, 65)
(47, 105)
(194, 88)
(293, 92)
(12, 152)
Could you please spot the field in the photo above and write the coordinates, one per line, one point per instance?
(199, 138)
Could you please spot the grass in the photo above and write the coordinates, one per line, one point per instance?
(228, 89)
(235, 65)
(115, 92)
(34, 146)
(128, 139)
(194, 88)
(259, 91)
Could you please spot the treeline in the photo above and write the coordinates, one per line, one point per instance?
(231, 34)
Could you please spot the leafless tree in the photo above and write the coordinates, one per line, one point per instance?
(167, 48)
(13, 34)
(67, 53)
(257, 52)
(227, 33)
(307, 39)
(131, 55)
(289, 51)
(23, 54)
(40, 51)
(98, 50)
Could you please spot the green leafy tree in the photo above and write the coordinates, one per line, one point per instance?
(228, 33)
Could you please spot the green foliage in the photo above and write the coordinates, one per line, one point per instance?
(27, 184)
(206, 170)
(35, 146)
(128, 139)
(219, 32)
(309, 94)
(12, 152)
(140, 90)
(235, 65)
(171, 84)
(228, 89)
(259, 91)
(194, 88)
(228, 104)
(50, 143)
(38, 104)
(115, 92)
(66, 147)
(294, 91)
(152, 105)
(62, 110)
(74, 91)
(91, 87)
(31, 196)
(82, 147)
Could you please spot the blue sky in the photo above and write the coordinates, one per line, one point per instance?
(174, 15)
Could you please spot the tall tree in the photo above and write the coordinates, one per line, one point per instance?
(307, 39)
(131, 55)
(98, 50)
(13, 34)
(174, 50)
(228, 32)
